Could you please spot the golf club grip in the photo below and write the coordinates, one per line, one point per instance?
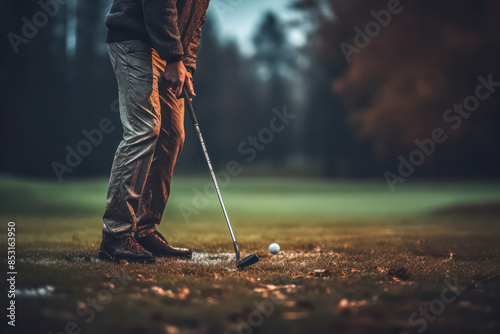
(187, 101)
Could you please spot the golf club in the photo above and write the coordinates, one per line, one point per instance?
(250, 259)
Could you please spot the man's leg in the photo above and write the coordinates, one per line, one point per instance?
(141, 120)
(169, 146)
(157, 188)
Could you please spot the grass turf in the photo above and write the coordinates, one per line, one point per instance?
(338, 239)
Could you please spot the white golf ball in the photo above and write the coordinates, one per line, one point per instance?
(274, 248)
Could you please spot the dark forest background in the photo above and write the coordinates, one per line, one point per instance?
(354, 119)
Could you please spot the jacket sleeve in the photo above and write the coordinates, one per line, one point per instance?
(192, 48)
(160, 18)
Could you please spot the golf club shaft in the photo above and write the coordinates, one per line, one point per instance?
(187, 101)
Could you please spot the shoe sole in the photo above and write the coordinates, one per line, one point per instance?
(108, 258)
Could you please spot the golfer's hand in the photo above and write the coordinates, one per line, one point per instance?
(189, 85)
(176, 76)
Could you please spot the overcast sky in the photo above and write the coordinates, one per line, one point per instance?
(238, 19)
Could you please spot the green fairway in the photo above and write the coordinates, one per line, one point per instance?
(339, 240)
(272, 199)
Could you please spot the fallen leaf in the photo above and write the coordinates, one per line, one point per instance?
(81, 305)
(108, 285)
(295, 315)
(464, 303)
(278, 295)
(182, 292)
(169, 329)
(319, 272)
(272, 287)
(159, 291)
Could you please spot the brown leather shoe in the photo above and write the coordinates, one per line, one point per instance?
(126, 248)
(159, 247)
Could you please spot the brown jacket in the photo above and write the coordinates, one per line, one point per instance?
(172, 28)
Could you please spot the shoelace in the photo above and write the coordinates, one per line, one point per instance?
(130, 244)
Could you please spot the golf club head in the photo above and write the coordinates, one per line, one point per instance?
(247, 261)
